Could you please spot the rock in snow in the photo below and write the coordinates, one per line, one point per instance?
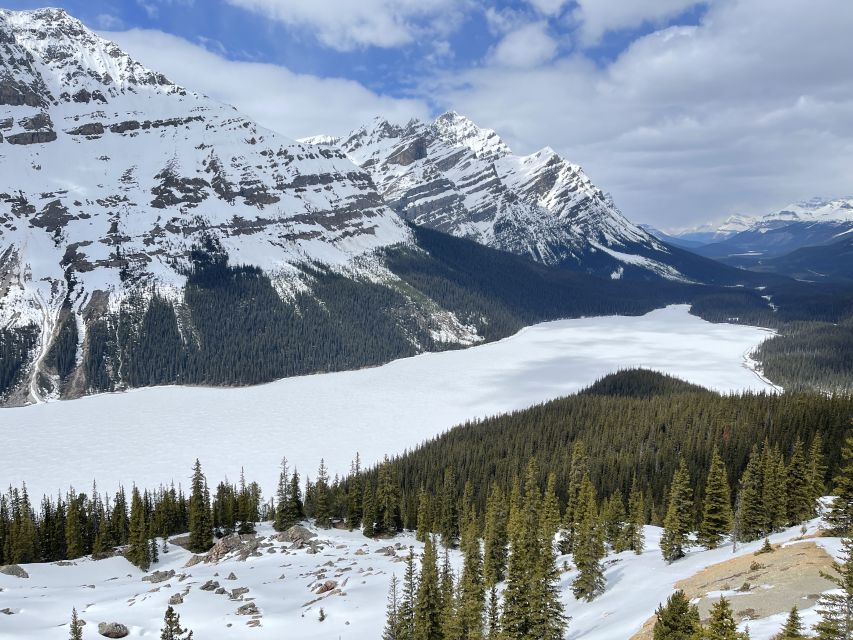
(113, 630)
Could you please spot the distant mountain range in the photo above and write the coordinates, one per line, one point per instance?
(778, 242)
(151, 235)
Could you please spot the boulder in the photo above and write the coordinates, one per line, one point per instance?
(231, 576)
(327, 586)
(210, 585)
(113, 630)
(159, 576)
(248, 609)
(239, 592)
(296, 534)
(176, 599)
(14, 570)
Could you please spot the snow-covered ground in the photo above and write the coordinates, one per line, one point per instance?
(148, 436)
(284, 583)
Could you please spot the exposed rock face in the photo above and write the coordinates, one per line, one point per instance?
(113, 630)
(173, 167)
(14, 570)
(456, 177)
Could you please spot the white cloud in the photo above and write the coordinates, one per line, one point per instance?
(525, 47)
(747, 111)
(548, 7)
(294, 104)
(597, 17)
(108, 21)
(348, 24)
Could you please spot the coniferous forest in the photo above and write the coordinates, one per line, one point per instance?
(579, 475)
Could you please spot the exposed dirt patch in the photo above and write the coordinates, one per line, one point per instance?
(763, 585)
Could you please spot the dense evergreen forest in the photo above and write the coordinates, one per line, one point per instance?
(232, 326)
(578, 476)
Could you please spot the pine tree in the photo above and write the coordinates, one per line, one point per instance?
(679, 515)
(677, 620)
(589, 547)
(613, 521)
(836, 608)
(75, 630)
(200, 521)
(800, 501)
(445, 590)
(717, 509)
(840, 516)
(392, 612)
(386, 499)
(427, 622)
(172, 629)
(550, 517)
(793, 628)
(721, 625)
(292, 511)
(495, 537)
(137, 551)
(493, 624)
(322, 511)
(633, 532)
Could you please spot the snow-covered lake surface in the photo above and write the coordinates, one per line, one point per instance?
(148, 436)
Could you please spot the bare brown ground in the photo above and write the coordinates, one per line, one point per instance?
(768, 583)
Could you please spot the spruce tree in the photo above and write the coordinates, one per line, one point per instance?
(392, 612)
(368, 518)
(717, 508)
(679, 515)
(445, 588)
(172, 629)
(406, 610)
(137, 551)
(281, 499)
(293, 511)
(200, 521)
(816, 469)
(469, 612)
(322, 511)
(589, 547)
(386, 501)
(449, 516)
(424, 525)
(836, 607)
(493, 615)
(74, 523)
(613, 521)
(355, 500)
(579, 469)
(495, 537)
(633, 532)
(800, 500)
(75, 629)
(751, 513)
(550, 516)
(427, 619)
(721, 625)
(677, 619)
(793, 628)
(840, 516)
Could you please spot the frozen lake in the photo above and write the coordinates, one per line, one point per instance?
(149, 435)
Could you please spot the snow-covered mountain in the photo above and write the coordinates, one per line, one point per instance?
(828, 211)
(462, 179)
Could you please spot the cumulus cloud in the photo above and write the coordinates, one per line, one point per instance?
(597, 17)
(294, 104)
(525, 47)
(348, 24)
(746, 111)
(548, 7)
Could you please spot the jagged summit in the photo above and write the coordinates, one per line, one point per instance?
(454, 176)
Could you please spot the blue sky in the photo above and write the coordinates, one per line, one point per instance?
(685, 110)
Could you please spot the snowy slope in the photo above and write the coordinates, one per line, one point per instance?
(462, 179)
(377, 411)
(282, 582)
(109, 173)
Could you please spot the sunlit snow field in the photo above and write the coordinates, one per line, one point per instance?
(152, 436)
